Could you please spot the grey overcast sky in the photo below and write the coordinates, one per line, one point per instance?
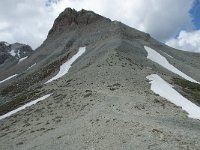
(169, 21)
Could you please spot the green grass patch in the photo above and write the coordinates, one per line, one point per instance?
(24, 89)
(33, 78)
(191, 89)
(17, 101)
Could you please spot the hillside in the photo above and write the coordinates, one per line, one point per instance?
(99, 84)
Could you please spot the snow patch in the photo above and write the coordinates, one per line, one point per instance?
(12, 52)
(24, 106)
(7, 44)
(64, 68)
(161, 60)
(22, 59)
(8, 78)
(164, 89)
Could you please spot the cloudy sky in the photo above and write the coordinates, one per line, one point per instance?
(174, 22)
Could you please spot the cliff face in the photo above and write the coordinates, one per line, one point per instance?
(70, 18)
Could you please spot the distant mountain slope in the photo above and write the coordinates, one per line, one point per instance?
(15, 50)
(104, 100)
(11, 55)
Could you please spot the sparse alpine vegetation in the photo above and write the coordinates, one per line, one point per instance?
(22, 90)
(190, 89)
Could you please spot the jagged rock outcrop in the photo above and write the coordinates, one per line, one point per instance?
(70, 18)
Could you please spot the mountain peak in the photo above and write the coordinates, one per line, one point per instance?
(70, 18)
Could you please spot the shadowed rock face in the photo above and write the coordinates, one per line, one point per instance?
(70, 18)
(3, 52)
(3, 57)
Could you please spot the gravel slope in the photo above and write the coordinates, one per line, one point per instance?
(106, 105)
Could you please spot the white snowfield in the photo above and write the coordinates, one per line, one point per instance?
(161, 60)
(7, 44)
(22, 59)
(164, 89)
(64, 68)
(8, 78)
(24, 106)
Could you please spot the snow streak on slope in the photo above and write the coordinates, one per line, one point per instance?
(22, 59)
(8, 78)
(156, 57)
(24, 106)
(18, 53)
(168, 55)
(31, 66)
(164, 89)
(64, 68)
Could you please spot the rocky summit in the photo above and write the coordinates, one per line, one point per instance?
(70, 18)
(98, 84)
